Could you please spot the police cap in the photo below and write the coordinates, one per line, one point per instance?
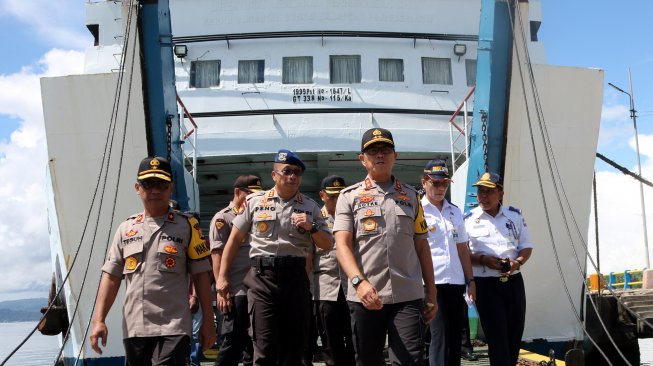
(374, 135)
(332, 184)
(155, 167)
(250, 182)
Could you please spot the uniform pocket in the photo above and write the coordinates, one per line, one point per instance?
(264, 224)
(133, 254)
(170, 257)
(405, 220)
(369, 220)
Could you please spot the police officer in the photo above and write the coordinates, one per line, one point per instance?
(236, 343)
(381, 245)
(154, 251)
(333, 321)
(283, 226)
(500, 245)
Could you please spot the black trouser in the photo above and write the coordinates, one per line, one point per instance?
(279, 309)
(402, 322)
(157, 351)
(236, 343)
(502, 311)
(465, 341)
(334, 327)
(446, 327)
(310, 346)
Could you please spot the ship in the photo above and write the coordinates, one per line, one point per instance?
(220, 86)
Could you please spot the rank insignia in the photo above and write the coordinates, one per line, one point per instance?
(262, 227)
(369, 225)
(131, 263)
(170, 249)
(366, 199)
(219, 224)
(432, 228)
(139, 218)
(131, 233)
(170, 262)
(403, 197)
(264, 215)
(171, 216)
(155, 163)
(369, 213)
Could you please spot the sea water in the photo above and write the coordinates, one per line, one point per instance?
(41, 350)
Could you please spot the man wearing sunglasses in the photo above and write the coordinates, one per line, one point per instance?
(283, 227)
(381, 245)
(155, 251)
(235, 320)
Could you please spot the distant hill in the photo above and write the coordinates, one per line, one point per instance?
(21, 310)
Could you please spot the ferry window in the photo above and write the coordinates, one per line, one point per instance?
(204, 74)
(345, 69)
(297, 70)
(391, 69)
(251, 71)
(436, 71)
(470, 70)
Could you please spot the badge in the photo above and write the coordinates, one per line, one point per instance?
(282, 156)
(477, 220)
(131, 233)
(369, 212)
(264, 216)
(171, 216)
(139, 218)
(403, 197)
(131, 263)
(154, 164)
(369, 225)
(170, 249)
(219, 224)
(262, 227)
(432, 228)
(366, 199)
(170, 262)
(263, 203)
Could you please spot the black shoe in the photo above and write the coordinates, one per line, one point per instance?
(469, 356)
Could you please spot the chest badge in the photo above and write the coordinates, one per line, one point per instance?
(433, 228)
(131, 263)
(262, 227)
(170, 249)
(366, 199)
(478, 221)
(131, 233)
(369, 225)
(403, 197)
(369, 212)
(264, 216)
(170, 262)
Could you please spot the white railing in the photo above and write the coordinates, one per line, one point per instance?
(188, 128)
(458, 136)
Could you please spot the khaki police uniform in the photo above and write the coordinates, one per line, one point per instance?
(234, 327)
(385, 220)
(501, 303)
(155, 256)
(278, 286)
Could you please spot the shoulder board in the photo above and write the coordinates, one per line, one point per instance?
(351, 187)
(131, 217)
(453, 205)
(224, 210)
(255, 194)
(309, 199)
(187, 215)
(514, 209)
(467, 214)
(409, 187)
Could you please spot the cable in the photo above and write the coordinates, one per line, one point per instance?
(624, 170)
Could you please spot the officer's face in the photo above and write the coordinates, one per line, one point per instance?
(329, 200)
(287, 176)
(154, 192)
(378, 158)
(489, 198)
(435, 188)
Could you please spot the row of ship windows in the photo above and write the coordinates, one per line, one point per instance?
(343, 69)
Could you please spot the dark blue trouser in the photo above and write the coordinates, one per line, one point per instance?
(446, 327)
(334, 327)
(236, 343)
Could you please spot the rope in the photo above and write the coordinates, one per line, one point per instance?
(624, 170)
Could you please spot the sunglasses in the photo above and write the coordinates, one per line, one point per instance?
(289, 172)
(385, 150)
(152, 184)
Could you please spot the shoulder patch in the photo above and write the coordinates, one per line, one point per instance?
(514, 209)
(467, 214)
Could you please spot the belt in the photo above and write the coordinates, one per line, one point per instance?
(260, 262)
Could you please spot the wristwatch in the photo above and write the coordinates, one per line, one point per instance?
(356, 280)
(314, 227)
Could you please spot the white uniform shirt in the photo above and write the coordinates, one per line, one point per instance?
(501, 236)
(446, 229)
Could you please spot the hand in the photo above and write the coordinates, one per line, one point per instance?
(193, 304)
(430, 307)
(224, 294)
(224, 305)
(491, 262)
(368, 295)
(99, 331)
(301, 220)
(207, 334)
(514, 265)
(471, 291)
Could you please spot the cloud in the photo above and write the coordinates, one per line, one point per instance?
(25, 259)
(51, 20)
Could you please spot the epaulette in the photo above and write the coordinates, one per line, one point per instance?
(351, 187)
(310, 199)
(138, 217)
(187, 215)
(467, 214)
(409, 186)
(255, 194)
(453, 205)
(514, 209)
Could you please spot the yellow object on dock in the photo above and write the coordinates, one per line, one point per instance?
(528, 355)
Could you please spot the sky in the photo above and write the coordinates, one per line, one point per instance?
(48, 38)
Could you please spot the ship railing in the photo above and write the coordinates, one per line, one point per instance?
(188, 132)
(627, 280)
(458, 135)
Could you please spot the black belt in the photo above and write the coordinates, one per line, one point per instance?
(261, 262)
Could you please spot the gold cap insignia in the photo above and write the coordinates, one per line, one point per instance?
(155, 163)
(377, 133)
(336, 183)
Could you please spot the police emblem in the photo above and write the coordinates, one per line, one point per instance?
(282, 156)
(369, 225)
(131, 263)
(376, 133)
(170, 262)
(155, 163)
(258, 183)
(366, 199)
(336, 183)
(262, 227)
(432, 228)
(170, 249)
(369, 213)
(131, 233)
(219, 224)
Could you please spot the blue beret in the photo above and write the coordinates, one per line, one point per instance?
(288, 157)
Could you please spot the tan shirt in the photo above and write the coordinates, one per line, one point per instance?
(327, 276)
(219, 232)
(385, 220)
(267, 218)
(155, 256)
